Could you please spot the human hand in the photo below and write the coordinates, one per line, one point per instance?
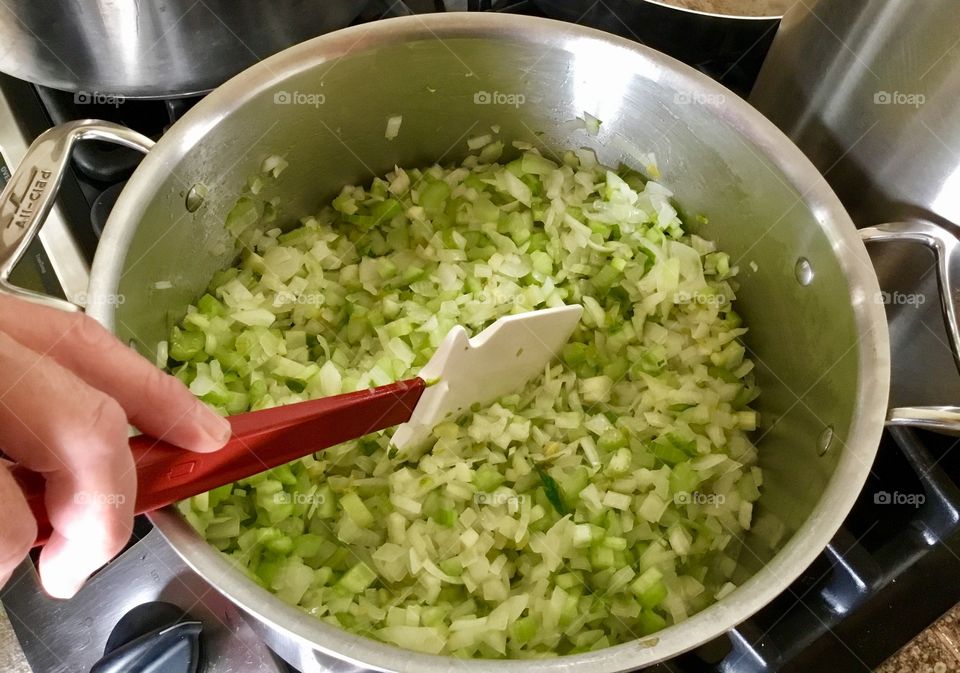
(68, 389)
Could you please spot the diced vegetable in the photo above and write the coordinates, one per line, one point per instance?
(595, 505)
(393, 127)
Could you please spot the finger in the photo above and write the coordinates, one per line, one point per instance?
(157, 403)
(18, 530)
(53, 423)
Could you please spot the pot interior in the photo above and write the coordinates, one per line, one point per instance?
(324, 106)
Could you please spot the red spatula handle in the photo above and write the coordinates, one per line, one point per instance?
(261, 440)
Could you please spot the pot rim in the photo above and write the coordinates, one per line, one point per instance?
(775, 577)
(715, 15)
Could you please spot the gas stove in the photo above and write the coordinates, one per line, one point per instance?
(892, 569)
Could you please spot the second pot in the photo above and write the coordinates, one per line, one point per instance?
(727, 47)
(157, 49)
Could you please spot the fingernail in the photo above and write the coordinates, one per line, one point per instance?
(217, 427)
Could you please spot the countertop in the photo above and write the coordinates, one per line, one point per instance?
(11, 657)
(936, 650)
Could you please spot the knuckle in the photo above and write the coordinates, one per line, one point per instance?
(121, 535)
(87, 333)
(102, 532)
(158, 384)
(115, 533)
(101, 514)
(17, 536)
(107, 413)
(105, 420)
(158, 387)
(13, 552)
(6, 341)
(11, 354)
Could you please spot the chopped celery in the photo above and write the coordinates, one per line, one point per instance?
(487, 478)
(570, 516)
(354, 508)
(650, 622)
(185, 345)
(358, 578)
(523, 630)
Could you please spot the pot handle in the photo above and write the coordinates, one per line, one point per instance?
(30, 193)
(946, 248)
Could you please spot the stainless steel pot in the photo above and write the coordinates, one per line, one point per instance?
(868, 90)
(720, 44)
(808, 290)
(156, 49)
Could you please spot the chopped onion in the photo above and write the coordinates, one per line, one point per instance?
(591, 124)
(597, 504)
(393, 127)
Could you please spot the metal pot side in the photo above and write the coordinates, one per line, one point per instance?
(821, 348)
(158, 49)
(721, 42)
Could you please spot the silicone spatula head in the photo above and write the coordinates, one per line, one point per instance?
(496, 362)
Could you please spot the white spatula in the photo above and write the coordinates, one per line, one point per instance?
(497, 361)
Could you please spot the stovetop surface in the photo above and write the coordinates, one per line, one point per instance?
(890, 571)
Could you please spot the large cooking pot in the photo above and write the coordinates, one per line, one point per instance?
(808, 291)
(725, 41)
(884, 128)
(156, 49)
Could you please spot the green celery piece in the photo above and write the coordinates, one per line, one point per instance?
(387, 210)
(433, 196)
(744, 397)
(651, 361)
(244, 214)
(650, 622)
(220, 494)
(211, 306)
(451, 566)
(345, 203)
(284, 474)
(574, 353)
(669, 451)
(223, 529)
(307, 545)
(280, 544)
(487, 478)
(447, 517)
(612, 439)
(524, 629)
(358, 578)
(683, 478)
(184, 346)
(356, 509)
(606, 278)
(575, 482)
(617, 369)
(536, 164)
(346, 620)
